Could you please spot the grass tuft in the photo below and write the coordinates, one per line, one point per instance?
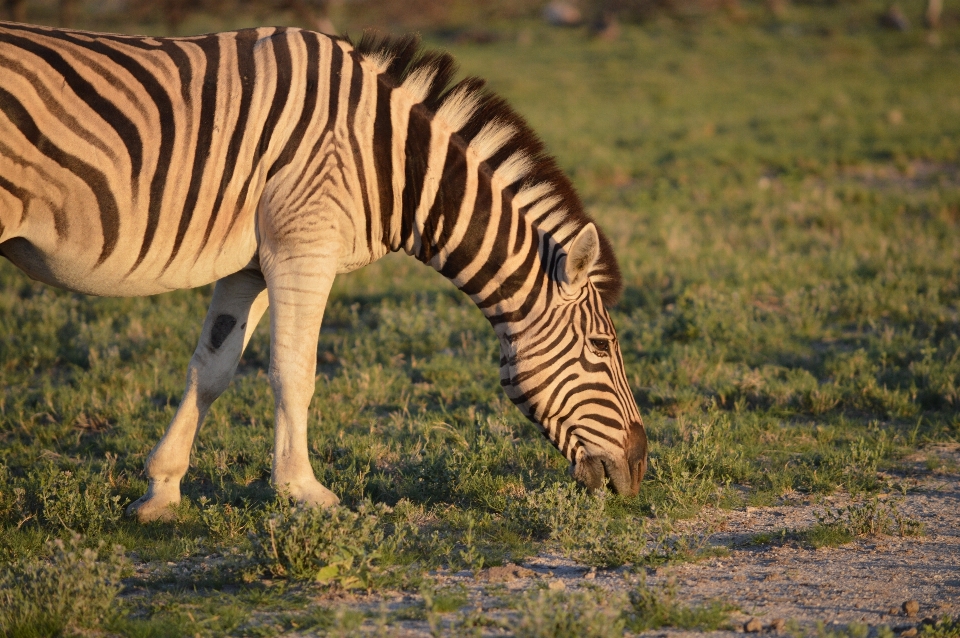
(874, 517)
(558, 614)
(578, 524)
(652, 608)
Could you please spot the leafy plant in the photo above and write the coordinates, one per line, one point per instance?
(556, 512)
(469, 557)
(853, 630)
(332, 546)
(444, 599)
(226, 521)
(13, 501)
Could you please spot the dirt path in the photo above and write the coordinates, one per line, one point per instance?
(862, 581)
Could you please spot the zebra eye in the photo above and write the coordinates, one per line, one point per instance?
(602, 346)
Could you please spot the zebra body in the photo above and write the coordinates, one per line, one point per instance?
(269, 160)
(165, 170)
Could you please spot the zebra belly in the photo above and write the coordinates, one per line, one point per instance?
(62, 271)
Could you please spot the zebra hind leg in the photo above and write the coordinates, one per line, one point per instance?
(239, 301)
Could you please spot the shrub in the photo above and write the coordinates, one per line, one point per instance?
(558, 614)
(71, 589)
(333, 546)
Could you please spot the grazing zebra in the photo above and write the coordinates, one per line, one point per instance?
(269, 160)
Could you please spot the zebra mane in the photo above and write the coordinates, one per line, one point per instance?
(487, 122)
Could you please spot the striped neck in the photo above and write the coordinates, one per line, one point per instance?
(464, 217)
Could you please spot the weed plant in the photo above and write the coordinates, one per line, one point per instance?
(442, 600)
(852, 630)
(78, 500)
(598, 612)
(227, 522)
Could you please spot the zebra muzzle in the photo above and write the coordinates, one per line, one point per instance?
(593, 472)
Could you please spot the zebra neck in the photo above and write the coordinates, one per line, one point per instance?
(462, 218)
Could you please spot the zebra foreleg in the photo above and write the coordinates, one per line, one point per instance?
(239, 301)
(298, 285)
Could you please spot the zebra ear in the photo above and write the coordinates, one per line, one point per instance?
(581, 257)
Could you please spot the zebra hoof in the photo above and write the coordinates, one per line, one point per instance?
(147, 509)
(311, 494)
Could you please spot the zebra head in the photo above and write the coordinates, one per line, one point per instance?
(564, 371)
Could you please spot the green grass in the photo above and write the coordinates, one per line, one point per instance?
(557, 614)
(785, 202)
(837, 526)
(70, 588)
(655, 608)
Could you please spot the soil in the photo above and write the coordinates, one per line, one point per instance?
(787, 587)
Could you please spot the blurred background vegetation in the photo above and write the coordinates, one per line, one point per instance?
(457, 18)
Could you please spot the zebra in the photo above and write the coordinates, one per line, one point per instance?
(269, 160)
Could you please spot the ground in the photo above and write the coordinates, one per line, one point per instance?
(788, 587)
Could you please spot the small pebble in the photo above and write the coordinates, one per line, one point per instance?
(753, 626)
(777, 624)
(910, 608)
